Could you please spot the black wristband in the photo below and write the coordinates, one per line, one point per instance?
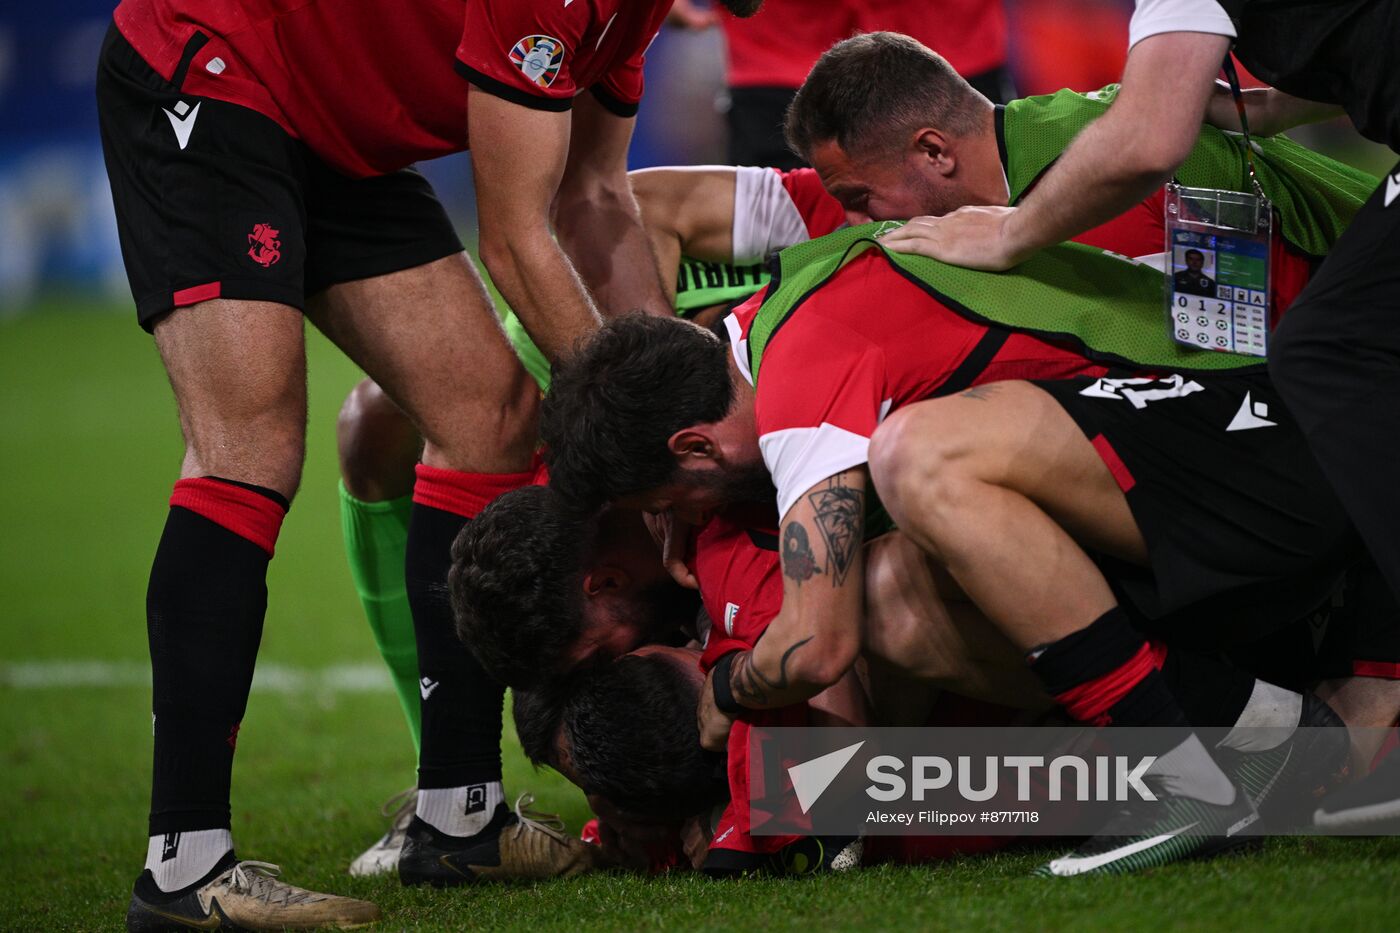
(724, 693)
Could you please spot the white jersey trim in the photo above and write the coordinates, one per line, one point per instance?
(738, 346)
(1154, 17)
(765, 219)
(800, 458)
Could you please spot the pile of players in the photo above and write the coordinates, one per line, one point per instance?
(1110, 527)
(856, 483)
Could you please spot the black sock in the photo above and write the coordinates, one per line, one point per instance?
(1211, 690)
(461, 741)
(204, 618)
(1107, 674)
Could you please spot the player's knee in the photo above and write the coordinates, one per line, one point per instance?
(377, 445)
(917, 463)
(499, 424)
(260, 454)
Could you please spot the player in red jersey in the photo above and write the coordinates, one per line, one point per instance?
(258, 154)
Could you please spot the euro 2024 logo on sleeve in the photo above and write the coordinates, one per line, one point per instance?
(539, 58)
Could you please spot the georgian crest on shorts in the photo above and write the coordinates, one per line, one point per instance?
(539, 58)
(264, 245)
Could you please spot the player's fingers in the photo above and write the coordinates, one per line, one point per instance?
(673, 552)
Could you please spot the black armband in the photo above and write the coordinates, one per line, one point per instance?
(724, 691)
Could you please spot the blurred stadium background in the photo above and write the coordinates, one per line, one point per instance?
(89, 446)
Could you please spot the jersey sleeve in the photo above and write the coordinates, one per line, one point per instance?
(740, 584)
(820, 212)
(1153, 17)
(765, 216)
(821, 393)
(522, 51)
(620, 90)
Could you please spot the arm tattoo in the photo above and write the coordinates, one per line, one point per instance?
(841, 520)
(981, 393)
(799, 563)
(749, 684)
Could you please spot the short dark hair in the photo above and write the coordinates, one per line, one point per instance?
(867, 91)
(517, 583)
(630, 726)
(613, 405)
(1196, 251)
(538, 713)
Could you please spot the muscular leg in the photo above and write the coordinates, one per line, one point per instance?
(379, 447)
(998, 484)
(920, 629)
(428, 336)
(238, 369)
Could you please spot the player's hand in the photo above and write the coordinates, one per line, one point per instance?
(713, 723)
(685, 14)
(974, 237)
(672, 536)
(695, 840)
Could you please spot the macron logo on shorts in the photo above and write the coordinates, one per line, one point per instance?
(1251, 415)
(1392, 187)
(182, 121)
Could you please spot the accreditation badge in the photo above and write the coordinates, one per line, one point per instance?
(1217, 269)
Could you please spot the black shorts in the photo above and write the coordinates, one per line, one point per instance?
(1234, 510)
(214, 200)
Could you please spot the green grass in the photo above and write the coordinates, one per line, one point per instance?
(88, 449)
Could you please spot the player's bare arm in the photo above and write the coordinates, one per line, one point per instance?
(1109, 167)
(517, 176)
(1269, 110)
(816, 636)
(597, 219)
(687, 210)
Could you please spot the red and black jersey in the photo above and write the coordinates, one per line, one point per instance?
(373, 85)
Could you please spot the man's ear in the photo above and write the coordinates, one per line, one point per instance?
(605, 579)
(689, 444)
(936, 149)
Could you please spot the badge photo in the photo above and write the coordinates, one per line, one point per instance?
(539, 57)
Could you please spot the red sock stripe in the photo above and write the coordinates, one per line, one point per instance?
(248, 514)
(1388, 670)
(465, 494)
(1091, 700)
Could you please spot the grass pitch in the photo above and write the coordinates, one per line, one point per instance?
(89, 447)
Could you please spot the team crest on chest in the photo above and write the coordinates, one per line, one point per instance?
(539, 57)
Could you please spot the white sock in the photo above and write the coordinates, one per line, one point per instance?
(178, 860)
(460, 811)
(1269, 719)
(1189, 771)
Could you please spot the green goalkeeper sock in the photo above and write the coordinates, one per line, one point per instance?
(375, 536)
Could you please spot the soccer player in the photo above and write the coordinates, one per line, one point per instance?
(895, 133)
(714, 226)
(851, 335)
(258, 154)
